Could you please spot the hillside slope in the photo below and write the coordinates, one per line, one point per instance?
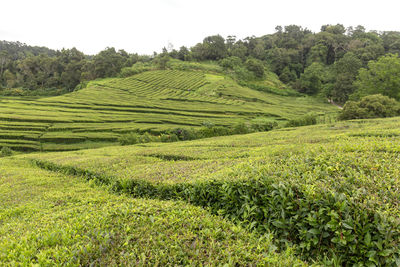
(150, 101)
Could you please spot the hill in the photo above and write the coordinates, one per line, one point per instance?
(330, 190)
(152, 101)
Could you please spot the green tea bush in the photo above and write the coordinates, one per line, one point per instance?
(146, 138)
(263, 124)
(5, 152)
(241, 128)
(308, 119)
(134, 69)
(137, 138)
(184, 134)
(373, 106)
(164, 138)
(196, 66)
(129, 139)
(206, 132)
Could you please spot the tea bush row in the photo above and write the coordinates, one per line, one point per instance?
(210, 130)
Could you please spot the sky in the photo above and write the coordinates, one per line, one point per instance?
(148, 25)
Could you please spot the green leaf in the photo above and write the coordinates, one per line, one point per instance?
(314, 231)
(385, 252)
(345, 225)
(371, 253)
(367, 239)
(279, 224)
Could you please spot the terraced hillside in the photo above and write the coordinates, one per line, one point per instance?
(151, 101)
(331, 190)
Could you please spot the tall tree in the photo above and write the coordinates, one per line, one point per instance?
(345, 70)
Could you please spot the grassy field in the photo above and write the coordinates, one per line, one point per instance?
(153, 101)
(331, 191)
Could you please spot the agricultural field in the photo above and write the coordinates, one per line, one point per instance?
(329, 193)
(152, 101)
(50, 219)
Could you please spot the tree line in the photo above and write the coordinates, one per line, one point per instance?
(337, 62)
(39, 67)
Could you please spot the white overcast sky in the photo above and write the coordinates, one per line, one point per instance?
(148, 25)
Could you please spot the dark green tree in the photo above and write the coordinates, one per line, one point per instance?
(256, 66)
(345, 71)
(313, 78)
(381, 77)
(109, 62)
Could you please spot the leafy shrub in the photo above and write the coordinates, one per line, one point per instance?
(81, 85)
(135, 69)
(230, 62)
(373, 106)
(35, 92)
(263, 124)
(184, 133)
(5, 151)
(166, 138)
(308, 119)
(207, 124)
(242, 73)
(185, 65)
(146, 138)
(213, 131)
(255, 66)
(129, 139)
(241, 128)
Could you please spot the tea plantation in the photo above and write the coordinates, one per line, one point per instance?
(328, 192)
(152, 101)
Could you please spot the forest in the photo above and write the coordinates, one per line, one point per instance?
(337, 63)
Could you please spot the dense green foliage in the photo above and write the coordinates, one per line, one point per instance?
(381, 77)
(331, 190)
(5, 151)
(325, 63)
(373, 106)
(35, 68)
